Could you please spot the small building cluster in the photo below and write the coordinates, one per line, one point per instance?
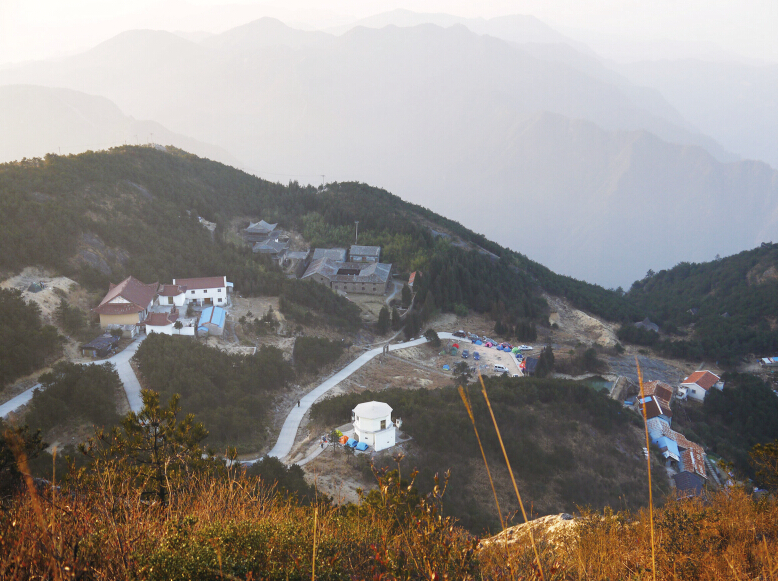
(360, 272)
(686, 458)
(132, 305)
(266, 239)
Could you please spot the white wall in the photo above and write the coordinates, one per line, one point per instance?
(178, 300)
(170, 330)
(372, 425)
(208, 293)
(694, 391)
(384, 439)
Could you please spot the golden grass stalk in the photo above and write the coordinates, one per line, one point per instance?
(513, 479)
(315, 523)
(466, 401)
(648, 460)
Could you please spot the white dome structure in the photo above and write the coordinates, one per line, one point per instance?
(373, 424)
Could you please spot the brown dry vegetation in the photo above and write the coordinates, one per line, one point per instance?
(233, 527)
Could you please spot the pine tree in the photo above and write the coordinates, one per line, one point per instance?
(396, 322)
(383, 321)
(406, 296)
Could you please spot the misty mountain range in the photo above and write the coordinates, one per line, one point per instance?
(597, 170)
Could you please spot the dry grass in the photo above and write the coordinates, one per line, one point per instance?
(229, 526)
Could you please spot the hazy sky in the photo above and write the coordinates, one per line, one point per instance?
(33, 29)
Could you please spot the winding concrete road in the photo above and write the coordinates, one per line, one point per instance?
(292, 423)
(122, 363)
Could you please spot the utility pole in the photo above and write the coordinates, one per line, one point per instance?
(356, 232)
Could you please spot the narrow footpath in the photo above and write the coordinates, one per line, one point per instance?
(122, 362)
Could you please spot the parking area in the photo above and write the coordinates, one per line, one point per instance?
(488, 357)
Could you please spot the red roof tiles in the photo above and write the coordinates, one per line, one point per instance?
(139, 296)
(200, 283)
(171, 290)
(160, 319)
(704, 379)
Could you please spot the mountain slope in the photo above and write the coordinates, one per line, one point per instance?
(446, 119)
(734, 103)
(41, 120)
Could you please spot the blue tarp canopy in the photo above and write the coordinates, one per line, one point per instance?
(446, 367)
(351, 442)
(479, 342)
(361, 446)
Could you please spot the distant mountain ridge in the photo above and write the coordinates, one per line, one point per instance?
(487, 131)
(41, 120)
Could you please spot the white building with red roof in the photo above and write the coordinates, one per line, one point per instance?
(165, 323)
(172, 295)
(205, 291)
(699, 383)
(126, 303)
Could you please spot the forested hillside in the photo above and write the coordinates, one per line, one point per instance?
(98, 217)
(25, 342)
(134, 210)
(231, 394)
(721, 310)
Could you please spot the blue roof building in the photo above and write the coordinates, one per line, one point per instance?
(212, 321)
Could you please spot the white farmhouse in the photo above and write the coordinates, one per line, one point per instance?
(373, 424)
(699, 383)
(205, 291)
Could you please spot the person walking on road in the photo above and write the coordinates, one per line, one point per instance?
(298, 403)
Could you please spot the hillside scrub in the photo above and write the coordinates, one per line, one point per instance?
(25, 342)
(230, 394)
(225, 524)
(129, 202)
(73, 393)
(310, 354)
(569, 445)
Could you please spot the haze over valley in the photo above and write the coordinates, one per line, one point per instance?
(503, 124)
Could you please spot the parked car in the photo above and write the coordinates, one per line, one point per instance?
(476, 356)
(525, 347)
(460, 333)
(465, 354)
(500, 369)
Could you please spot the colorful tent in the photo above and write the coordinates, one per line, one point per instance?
(455, 345)
(479, 342)
(351, 442)
(361, 446)
(515, 350)
(446, 367)
(343, 439)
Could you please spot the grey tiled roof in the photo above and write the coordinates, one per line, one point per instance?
(365, 251)
(332, 253)
(374, 272)
(270, 246)
(261, 227)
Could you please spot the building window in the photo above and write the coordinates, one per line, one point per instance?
(205, 291)
(191, 292)
(383, 424)
(219, 299)
(218, 291)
